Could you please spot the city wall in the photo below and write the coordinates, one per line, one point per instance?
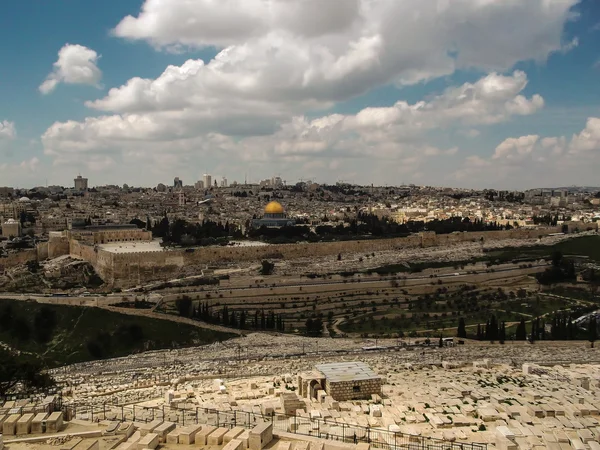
(127, 269)
(14, 259)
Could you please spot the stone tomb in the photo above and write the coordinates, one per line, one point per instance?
(350, 380)
(24, 424)
(54, 423)
(202, 436)
(260, 436)
(9, 427)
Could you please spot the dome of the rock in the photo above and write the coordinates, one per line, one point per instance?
(274, 208)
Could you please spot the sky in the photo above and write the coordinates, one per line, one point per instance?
(498, 94)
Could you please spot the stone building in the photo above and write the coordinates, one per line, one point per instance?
(80, 183)
(11, 228)
(342, 381)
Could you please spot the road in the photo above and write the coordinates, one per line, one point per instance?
(154, 315)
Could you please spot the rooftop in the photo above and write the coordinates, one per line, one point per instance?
(133, 247)
(347, 371)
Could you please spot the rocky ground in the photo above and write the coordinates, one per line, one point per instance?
(62, 273)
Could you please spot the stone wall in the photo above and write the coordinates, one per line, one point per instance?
(129, 269)
(353, 390)
(21, 257)
(107, 236)
(58, 245)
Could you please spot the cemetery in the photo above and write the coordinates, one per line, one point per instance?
(275, 394)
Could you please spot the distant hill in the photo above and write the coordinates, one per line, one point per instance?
(58, 335)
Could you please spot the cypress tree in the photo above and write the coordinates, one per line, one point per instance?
(521, 333)
(461, 332)
(592, 330)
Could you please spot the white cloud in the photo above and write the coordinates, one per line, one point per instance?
(7, 130)
(588, 141)
(522, 161)
(76, 64)
(515, 149)
(25, 166)
(371, 42)
(169, 116)
(280, 61)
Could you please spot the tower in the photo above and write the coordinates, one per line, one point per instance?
(207, 181)
(81, 184)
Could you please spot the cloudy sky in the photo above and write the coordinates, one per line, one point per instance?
(467, 93)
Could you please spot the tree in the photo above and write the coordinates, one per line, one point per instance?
(267, 267)
(44, 323)
(521, 333)
(462, 330)
(594, 281)
(184, 305)
(13, 372)
(314, 326)
(21, 329)
(502, 333)
(534, 331)
(592, 330)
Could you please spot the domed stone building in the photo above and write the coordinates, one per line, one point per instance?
(273, 217)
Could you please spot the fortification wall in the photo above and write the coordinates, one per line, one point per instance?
(126, 269)
(42, 251)
(17, 258)
(58, 246)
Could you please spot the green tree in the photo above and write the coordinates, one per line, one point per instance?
(44, 323)
(267, 267)
(592, 330)
(184, 306)
(502, 333)
(521, 333)
(462, 330)
(13, 372)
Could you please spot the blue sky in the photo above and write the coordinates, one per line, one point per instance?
(221, 133)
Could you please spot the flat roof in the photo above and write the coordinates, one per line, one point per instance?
(133, 246)
(347, 371)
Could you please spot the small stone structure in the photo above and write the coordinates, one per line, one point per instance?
(260, 436)
(350, 380)
(290, 403)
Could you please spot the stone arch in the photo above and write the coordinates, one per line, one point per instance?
(314, 386)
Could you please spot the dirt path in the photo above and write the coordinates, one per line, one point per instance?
(184, 320)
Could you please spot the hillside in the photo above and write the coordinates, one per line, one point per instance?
(58, 335)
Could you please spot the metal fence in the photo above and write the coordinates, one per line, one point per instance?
(316, 427)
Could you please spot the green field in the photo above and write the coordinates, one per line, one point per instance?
(58, 335)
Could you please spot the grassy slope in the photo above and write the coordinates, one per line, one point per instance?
(509, 310)
(583, 246)
(76, 326)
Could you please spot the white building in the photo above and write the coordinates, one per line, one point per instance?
(81, 184)
(207, 181)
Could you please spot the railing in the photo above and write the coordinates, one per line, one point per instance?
(316, 427)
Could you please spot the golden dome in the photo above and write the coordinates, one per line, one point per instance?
(274, 208)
